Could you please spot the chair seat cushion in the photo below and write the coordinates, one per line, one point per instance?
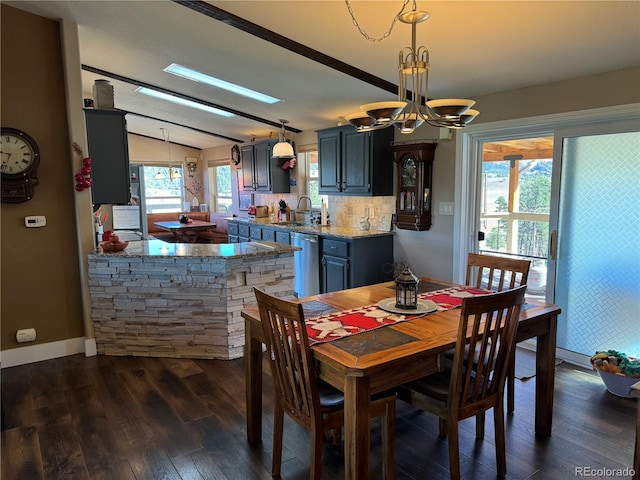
(435, 386)
(330, 397)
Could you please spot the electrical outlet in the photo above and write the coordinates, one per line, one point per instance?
(366, 212)
(372, 212)
(26, 335)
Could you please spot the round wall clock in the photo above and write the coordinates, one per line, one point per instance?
(19, 167)
(235, 154)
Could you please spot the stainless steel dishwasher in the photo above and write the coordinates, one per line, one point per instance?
(306, 265)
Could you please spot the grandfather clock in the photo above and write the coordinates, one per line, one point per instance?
(414, 164)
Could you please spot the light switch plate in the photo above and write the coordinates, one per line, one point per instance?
(445, 208)
(35, 221)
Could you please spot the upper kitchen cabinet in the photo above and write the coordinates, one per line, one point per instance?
(355, 163)
(260, 172)
(109, 152)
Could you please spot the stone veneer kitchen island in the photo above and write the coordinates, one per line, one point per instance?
(161, 299)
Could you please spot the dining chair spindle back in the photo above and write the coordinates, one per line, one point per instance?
(311, 403)
(473, 385)
(498, 273)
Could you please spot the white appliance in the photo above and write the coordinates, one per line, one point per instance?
(126, 222)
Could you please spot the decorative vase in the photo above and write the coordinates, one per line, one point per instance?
(194, 202)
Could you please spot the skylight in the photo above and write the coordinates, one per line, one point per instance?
(200, 77)
(182, 101)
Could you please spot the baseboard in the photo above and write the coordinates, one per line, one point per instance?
(45, 351)
(90, 347)
(565, 355)
(574, 358)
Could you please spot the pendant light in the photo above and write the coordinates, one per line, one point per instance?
(282, 149)
(174, 173)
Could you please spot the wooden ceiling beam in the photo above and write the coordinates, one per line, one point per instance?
(270, 36)
(526, 155)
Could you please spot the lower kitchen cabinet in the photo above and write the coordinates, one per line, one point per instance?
(255, 232)
(232, 229)
(354, 262)
(335, 273)
(243, 233)
(269, 234)
(283, 237)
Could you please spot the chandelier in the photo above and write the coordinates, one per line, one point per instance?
(408, 113)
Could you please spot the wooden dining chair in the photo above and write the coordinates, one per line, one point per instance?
(488, 324)
(310, 402)
(496, 273)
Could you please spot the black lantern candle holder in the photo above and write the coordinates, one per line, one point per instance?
(407, 290)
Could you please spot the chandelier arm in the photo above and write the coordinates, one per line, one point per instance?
(365, 34)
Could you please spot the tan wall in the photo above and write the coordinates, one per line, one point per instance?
(40, 279)
(596, 91)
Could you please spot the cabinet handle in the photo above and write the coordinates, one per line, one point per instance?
(323, 261)
(344, 186)
(338, 186)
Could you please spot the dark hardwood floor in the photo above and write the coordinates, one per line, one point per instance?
(113, 418)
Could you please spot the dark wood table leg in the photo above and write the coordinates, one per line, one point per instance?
(253, 359)
(357, 429)
(545, 378)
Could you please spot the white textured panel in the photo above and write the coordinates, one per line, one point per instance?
(599, 250)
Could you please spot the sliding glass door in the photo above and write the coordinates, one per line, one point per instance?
(595, 241)
(585, 229)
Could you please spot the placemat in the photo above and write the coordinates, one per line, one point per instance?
(328, 327)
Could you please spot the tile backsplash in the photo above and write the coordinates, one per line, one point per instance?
(343, 211)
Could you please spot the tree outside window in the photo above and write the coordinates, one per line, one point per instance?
(221, 196)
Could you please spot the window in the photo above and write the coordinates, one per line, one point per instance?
(515, 203)
(220, 180)
(311, 162)
(161, 192)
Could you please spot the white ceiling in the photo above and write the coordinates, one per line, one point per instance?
(476, 48)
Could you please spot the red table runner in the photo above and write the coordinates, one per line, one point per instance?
(325, 328)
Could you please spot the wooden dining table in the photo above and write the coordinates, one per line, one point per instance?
(381, 359)
(186, 232)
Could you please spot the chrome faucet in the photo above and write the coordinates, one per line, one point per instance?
(308, 202)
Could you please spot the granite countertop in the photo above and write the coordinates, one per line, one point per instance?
(158, 248)
(328, 231)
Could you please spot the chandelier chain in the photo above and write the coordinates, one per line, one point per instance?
(388, 32)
